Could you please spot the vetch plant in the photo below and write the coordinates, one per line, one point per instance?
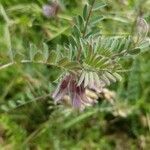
(88, 61)
(98, 59)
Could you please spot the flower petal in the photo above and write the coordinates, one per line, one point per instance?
(76, 101)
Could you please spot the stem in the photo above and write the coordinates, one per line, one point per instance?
(25, 62)
(138, 11)
(33, 100)
(32, 62)
(87, 20)
(6, 65)
(85, 28)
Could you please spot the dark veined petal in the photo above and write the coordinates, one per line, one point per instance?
(76, 101)
(61, 90)
(60, 95)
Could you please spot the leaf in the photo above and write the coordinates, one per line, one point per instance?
(101, 62)
(3, 13)
(96, 60)
(114, 45)
(72, 65)
(105, 79)
(52, 57)
(127, 43)
(82, 47)
(79, 118)
(106, 52)
(12, 104)
(145, 45)
(121, 45)
(89, 55)
(63, 62)
(134, 51)
(8, 42)
(71, 49)
(91, 79)
(91, 2)
(91, 58)
(118, 76)
(142, 28)
(110, 76)
(117, 18)
(76, 31)
(21, 101)
(85, 12)
(86, 80)
(88, 34)
(80, 21)
(81, 79)
(97, 44)
(96, 20)
(18, 57)
(4, 108)
(98, 6)
(38, 56)
(45, 51)
(107, 43)
(96, 78)
(73, 41)
(32, 52)
(60, 31)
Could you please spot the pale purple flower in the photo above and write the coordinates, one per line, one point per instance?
(50, 10)
(68, 86)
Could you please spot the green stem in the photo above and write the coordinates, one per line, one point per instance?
(33, 62)
(138, 11)
(87, 20)
(25, 62)
(85, 28)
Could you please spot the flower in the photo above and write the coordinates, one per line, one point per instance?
(50, 10)
(68, 86)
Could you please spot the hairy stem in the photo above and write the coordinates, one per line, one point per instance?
(85, 28)
(87, 20)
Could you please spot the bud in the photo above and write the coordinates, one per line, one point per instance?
(141, 29)
(50, 10)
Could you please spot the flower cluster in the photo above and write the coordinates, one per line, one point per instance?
(77, 93)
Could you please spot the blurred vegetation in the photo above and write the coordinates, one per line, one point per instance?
(36, 123)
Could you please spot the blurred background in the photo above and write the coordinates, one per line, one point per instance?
(28, 117)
